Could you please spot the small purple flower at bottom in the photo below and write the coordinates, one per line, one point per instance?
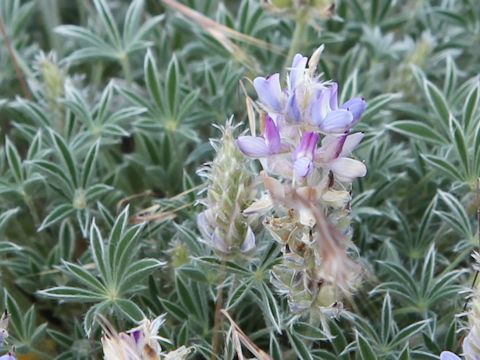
(8, 356)
(304, 154)
(447, 355)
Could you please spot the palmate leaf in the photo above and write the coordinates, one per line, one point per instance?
(85, 35)
(14, 161)
(470, 109)
(299, 346)
(56, 172)
(67, 158)
(152, 81)
(186, 297)
(8, 247)
(418, 131)
(456, 216)
(438, 103)
(171, 85)
(365, 350)
(134, 30)
(26, 331)
(309, 332)
(6, 215)
(138, 271)
(117, 45)
(461, 148)
(403, 335)
(130, 310)
(268, 302)
(83, 276)
(108, 22)
(56, 215)
(99, 253)
(444, 166)
(70, 293)
(88, 165)
(118, 272)
(387, 322)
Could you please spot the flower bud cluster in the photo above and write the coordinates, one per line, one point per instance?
(316, 8)
(229, 191)
(140, 343)
(4, 335)
(471, 343)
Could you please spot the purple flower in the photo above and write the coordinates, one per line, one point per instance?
(333, 156)
(3, 327)
(447, 355)
(259, 147)
(304, 154)
(356, 106)
(325, 114)
(293, 110)
(297, 72)
(8, 356)
(270, 93)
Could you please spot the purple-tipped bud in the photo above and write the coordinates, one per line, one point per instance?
(356, 106)
(293, 110)
(304, 153)
(269, 92)
(8, 356)
(272, 136)
(258, 147)
(337, 121)
(334, 96)
(447, 355)
(297, 72)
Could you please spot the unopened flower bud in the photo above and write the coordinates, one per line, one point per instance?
(223, 224)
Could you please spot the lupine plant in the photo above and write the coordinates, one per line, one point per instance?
(226, 179)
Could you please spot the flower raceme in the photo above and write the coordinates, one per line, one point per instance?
(296, 117)
(305, 153)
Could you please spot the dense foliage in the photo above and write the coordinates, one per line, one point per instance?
(106, 111)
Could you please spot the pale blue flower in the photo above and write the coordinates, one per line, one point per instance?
(447, 355)
(8, 356)
(258, 147)
(304, 154)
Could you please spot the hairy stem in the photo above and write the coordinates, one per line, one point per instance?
(126, 68)
(18, 71)
(298, 37)
(218, 318)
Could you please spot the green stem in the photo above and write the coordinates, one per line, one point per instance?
(51, 19)
(457, 261)
(298, 37)
(127, 69)
(31, 207)
(218, 321)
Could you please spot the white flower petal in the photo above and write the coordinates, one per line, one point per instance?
(351, 143)
(346, 169)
